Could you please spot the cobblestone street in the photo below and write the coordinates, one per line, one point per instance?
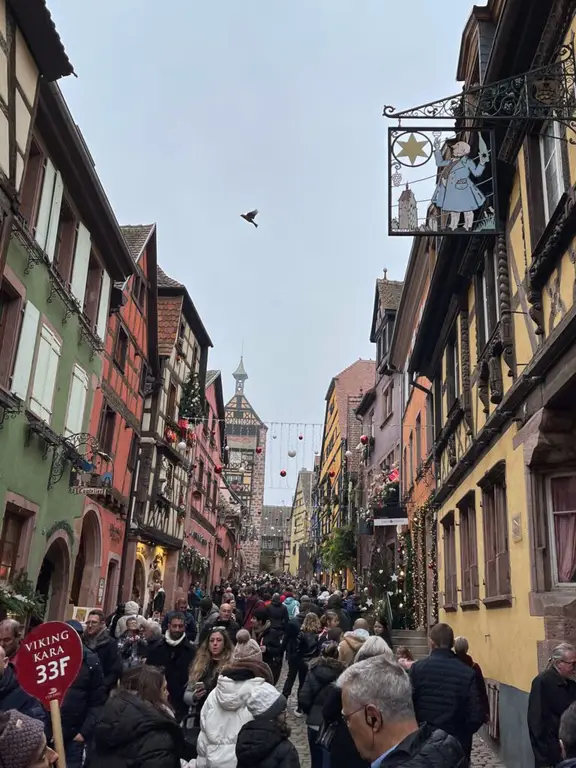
(482, 755)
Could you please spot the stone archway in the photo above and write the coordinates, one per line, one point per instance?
(54, 577)
(87, 563)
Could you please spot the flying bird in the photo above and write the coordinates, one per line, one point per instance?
(250, 216)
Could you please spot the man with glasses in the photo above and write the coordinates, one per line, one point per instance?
(552, 692)
(173, 656)
(378, 710)
(97, 638)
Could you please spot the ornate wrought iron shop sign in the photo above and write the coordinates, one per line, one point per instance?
(442, 156)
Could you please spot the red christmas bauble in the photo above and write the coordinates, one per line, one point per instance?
(282, 473)
(218, 469)
(364, 439)
(259, 450)
(332, 473)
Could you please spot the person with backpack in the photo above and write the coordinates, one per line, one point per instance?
(307, 650)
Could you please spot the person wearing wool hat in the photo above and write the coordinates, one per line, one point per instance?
(131, 609)
(23, 742)
(264, 741)
(246, 648)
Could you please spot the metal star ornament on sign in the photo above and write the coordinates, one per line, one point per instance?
(441, 181)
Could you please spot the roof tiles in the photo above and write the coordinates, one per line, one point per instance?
(136, 237)
(169, 311)
(390, 292)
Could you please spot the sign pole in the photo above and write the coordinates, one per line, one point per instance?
(57, 732)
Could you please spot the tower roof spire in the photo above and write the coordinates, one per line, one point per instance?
(240, 372)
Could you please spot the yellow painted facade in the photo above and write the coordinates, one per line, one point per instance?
(299, 523)
(331, 463)
(500, 350)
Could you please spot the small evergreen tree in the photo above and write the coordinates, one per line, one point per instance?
(192, 401)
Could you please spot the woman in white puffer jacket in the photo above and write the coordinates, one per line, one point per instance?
(225, 712)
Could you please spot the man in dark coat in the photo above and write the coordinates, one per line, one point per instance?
(97, 638)
(290, 648)
(13, 696)
(445, 693)
(224, 619)
(552, 692)
(567, 734)
(82, 705)
(379, 714)
(335, 604)
(182, 607)
(253, 603)
(174, 656)
(278, 613)
(307, 606)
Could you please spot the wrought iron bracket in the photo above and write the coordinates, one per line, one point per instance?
(85, 334)
(542, 94)
(77, 450)
(57, 288)
(38, 427)
(10, 407)
(34, 253)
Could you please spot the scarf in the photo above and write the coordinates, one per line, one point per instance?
(92, 641)
(171, 641)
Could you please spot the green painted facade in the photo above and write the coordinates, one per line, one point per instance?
(23, 470)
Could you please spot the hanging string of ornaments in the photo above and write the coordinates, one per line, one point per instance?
(290, 447)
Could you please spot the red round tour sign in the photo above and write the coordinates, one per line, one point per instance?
(48, 661)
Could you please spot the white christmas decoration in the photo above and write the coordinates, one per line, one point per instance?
(394, 577)
(182, 445)
(292, 453)
(369, 602)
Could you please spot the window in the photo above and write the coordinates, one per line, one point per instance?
(47, 213)
(65, 242)
(450, 578)
(121, 348)
(12, 531)
(10, 315)
(93, 291)
(405, 468)
(429, 423)
(133, 452)
(139, 291)
(215, 493)
(552, 168)
(437, 406)
(107, 430)
(562, 509)
(411, 456)
(76, 402)
(143, 377)
(388, 403)
(32, 184)
(469, 550)
(208, 488)
(103, 304)
(171, 405)
(200, 473)
(44, 383)
(418, 432)
(486, 298)
(452, 371)
(495, 519)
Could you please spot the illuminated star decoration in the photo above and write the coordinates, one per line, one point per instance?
(394, 577)
(412, 149)
(369, 602)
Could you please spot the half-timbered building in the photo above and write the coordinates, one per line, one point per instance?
(245, 471)
(172, 410)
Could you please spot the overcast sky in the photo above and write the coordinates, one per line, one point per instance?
(197, 111)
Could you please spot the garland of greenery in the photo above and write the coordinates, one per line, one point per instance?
(191, 561)
(19, 598)
(61, 525)
(339, 551)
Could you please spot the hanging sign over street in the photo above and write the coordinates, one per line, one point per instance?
(380, 521)
(48, 661)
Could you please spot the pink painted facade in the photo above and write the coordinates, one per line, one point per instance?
(207, 544)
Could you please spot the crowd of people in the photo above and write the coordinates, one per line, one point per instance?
(198, 687)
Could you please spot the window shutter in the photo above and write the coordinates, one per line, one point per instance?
(103, 306)
(54, 216)
(43, 219)
(474, 582)
(49, 350)
(25, 354)
(503, 573)
(76, 402)
(81, 261)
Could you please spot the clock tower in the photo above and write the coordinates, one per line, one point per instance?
(246, 440)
